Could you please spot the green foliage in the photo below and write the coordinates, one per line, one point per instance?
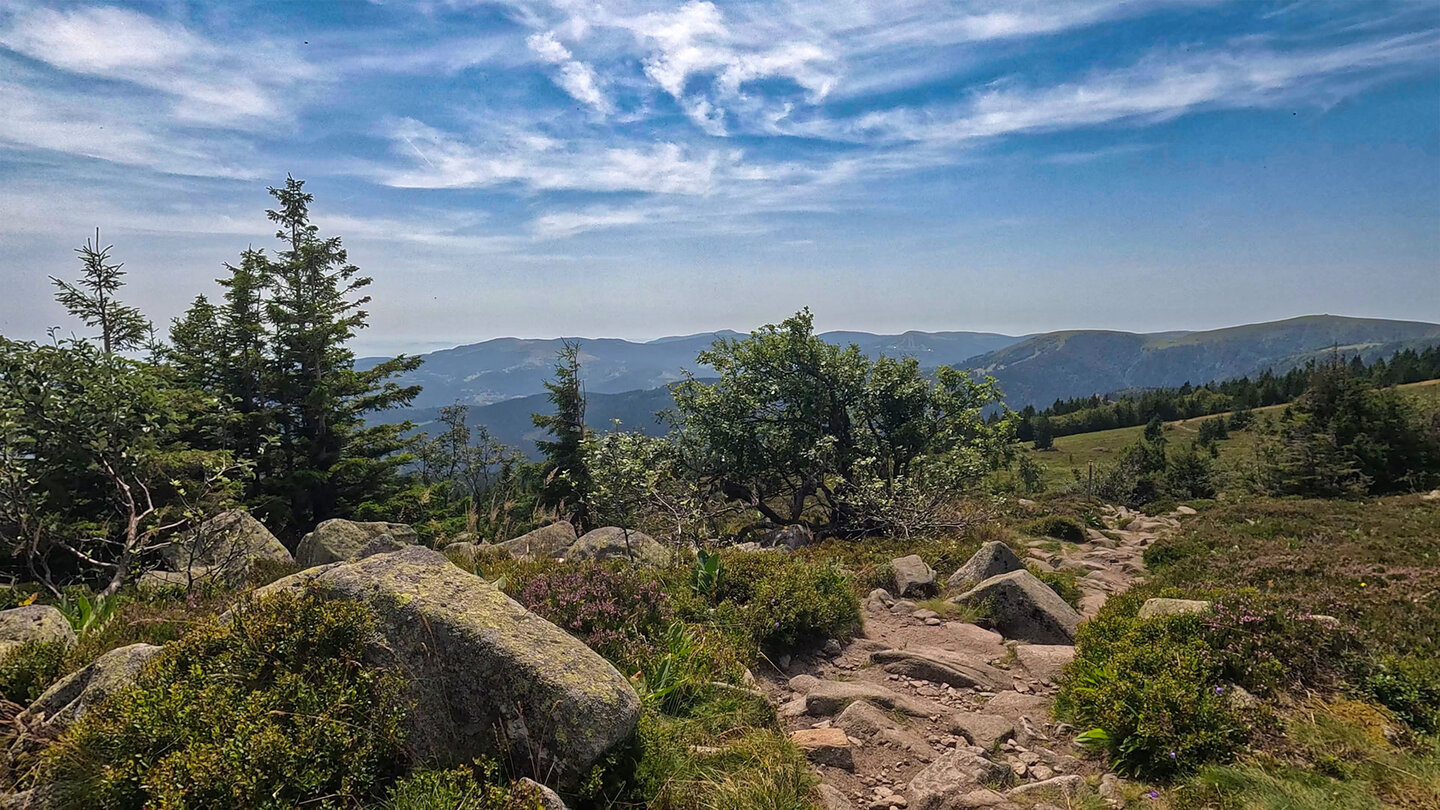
(272, 708)
(1044, 433)
(93, 466)
(1343, 437)
(476, 788)
(30, 669)
(1408, 685)
(567, 478)
(92, 300)
(1149, 694)
(1060, 527)
(87, 613)
(705, 575)
(804, 431)
(1189, 475)
(781, 601)
(1064, 582)
(618, 613)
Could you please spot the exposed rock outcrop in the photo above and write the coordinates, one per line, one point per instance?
(1022, 607)
(225, 547)
(486, 677)
(69, 698)
(344, 540)
(22, 625)
(609, 543)
(547, 541)
(940, 666)
(948, 781)
(993, 559)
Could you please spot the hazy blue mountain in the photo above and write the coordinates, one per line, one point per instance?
(508, 368)
(1042, 368)
(502, 380)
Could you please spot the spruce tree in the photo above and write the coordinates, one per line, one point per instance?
(566, 478)
(324, 461)
(93, 300)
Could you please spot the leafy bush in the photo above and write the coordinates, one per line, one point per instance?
(272, 708)
(782, 601)
(1064, 582)
(1059, 527)
(30, 669)
(1148, 693)
(476, 788)
(616, 613)
(1408, 685)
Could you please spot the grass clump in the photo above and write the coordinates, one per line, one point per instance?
(271, 708)
(1057, 527)
(474, 788)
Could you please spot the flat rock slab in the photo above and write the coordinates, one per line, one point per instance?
(1025, 608)
(941, 666)
(825, 746)
(1172, 607)
(868, 724)
(984, 730)
(828, 698)
(947, 782)
(1044, 661)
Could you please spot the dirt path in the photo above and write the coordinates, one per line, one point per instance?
(921, 713)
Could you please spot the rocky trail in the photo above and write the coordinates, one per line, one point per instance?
(922, 712)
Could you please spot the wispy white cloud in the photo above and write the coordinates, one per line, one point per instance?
(575, 77)
(208, 83)
(539, 162)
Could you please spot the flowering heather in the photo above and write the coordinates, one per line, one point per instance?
(616, 614)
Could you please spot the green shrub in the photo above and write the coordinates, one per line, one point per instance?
(782, 601)
(1408, 685)
(272, 708)
(30, 669)
(1058, 527)
(475, 788)
(1148, 693)
(1064, 582)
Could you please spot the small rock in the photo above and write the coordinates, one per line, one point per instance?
(831, 798)
(22, 625)
(832, 648)
(1068, 786)
(912, 576)
(993, 559)
(802, 683)
(825, 746)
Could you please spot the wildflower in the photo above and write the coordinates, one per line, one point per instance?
(1172, 754)
(1219, 690)
(1153, 794)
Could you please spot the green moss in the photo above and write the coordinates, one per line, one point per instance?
(30, 669)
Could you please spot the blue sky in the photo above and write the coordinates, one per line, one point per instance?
(637, 169)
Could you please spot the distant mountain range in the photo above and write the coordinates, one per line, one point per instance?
(502, 380)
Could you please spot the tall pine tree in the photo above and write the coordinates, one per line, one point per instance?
(566, 478)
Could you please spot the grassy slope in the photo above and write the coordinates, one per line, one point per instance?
(1078, 451)
(1372, 564)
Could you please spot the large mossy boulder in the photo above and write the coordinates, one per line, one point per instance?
(22, 625)
(226, 546)
(1024, 608)
(993, 559)
(547, 541)
(485, 676)
(70, 697)
(344, 540)
(613, 543)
